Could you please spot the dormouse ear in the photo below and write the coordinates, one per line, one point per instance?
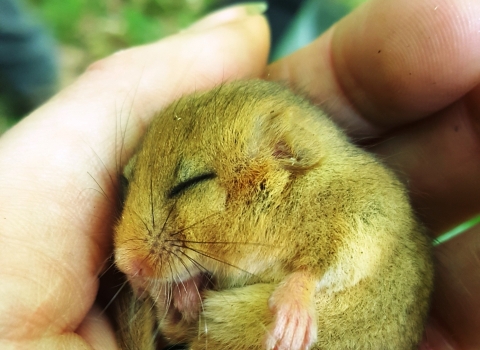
(291, 135)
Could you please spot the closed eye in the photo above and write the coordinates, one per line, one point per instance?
(177, 189)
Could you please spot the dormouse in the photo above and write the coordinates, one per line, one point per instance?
(250, 221)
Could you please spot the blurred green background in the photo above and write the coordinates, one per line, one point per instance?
(98, 28)
(87, 30)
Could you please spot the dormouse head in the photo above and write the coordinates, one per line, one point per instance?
(213, 170)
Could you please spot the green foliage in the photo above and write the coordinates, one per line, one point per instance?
(87, 30)
(102, 27)
(62, 16)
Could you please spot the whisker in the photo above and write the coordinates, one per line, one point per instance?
(218, 242)
(196, 263)
(168, 216)
(115, 296)
(143, 222)
(151, 201)
(168, 293)
(102, 191)
(110, 266)
(193, 225)
(168, 298)
(134, 239)
(123, 132)
(216, 259)
(200, 267)
(199, 297)
(181, 261)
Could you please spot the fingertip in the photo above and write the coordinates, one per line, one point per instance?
(398, 62)
(389, 63)
(310, 72)
(228, 15)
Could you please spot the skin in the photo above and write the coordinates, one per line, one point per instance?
(52, 252)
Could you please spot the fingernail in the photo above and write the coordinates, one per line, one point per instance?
(255, 8)
(228, 14)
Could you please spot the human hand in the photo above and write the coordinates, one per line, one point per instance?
(58, 175)
(407, 73)
(57, 226)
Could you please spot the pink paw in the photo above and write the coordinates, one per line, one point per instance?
(295, 323)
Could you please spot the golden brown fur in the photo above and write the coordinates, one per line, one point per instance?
(135, 321)
(254, 187)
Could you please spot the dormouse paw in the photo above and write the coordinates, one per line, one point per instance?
(295, 322)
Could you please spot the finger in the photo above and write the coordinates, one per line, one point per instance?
(57, 168)
(456, 306)
(389, 62)
(96, 330)
(440, 157)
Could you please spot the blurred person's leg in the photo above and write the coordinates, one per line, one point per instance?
(28, 60)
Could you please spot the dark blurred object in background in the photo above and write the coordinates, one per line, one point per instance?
(28, 60)
(280, 14)
(295, 23)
